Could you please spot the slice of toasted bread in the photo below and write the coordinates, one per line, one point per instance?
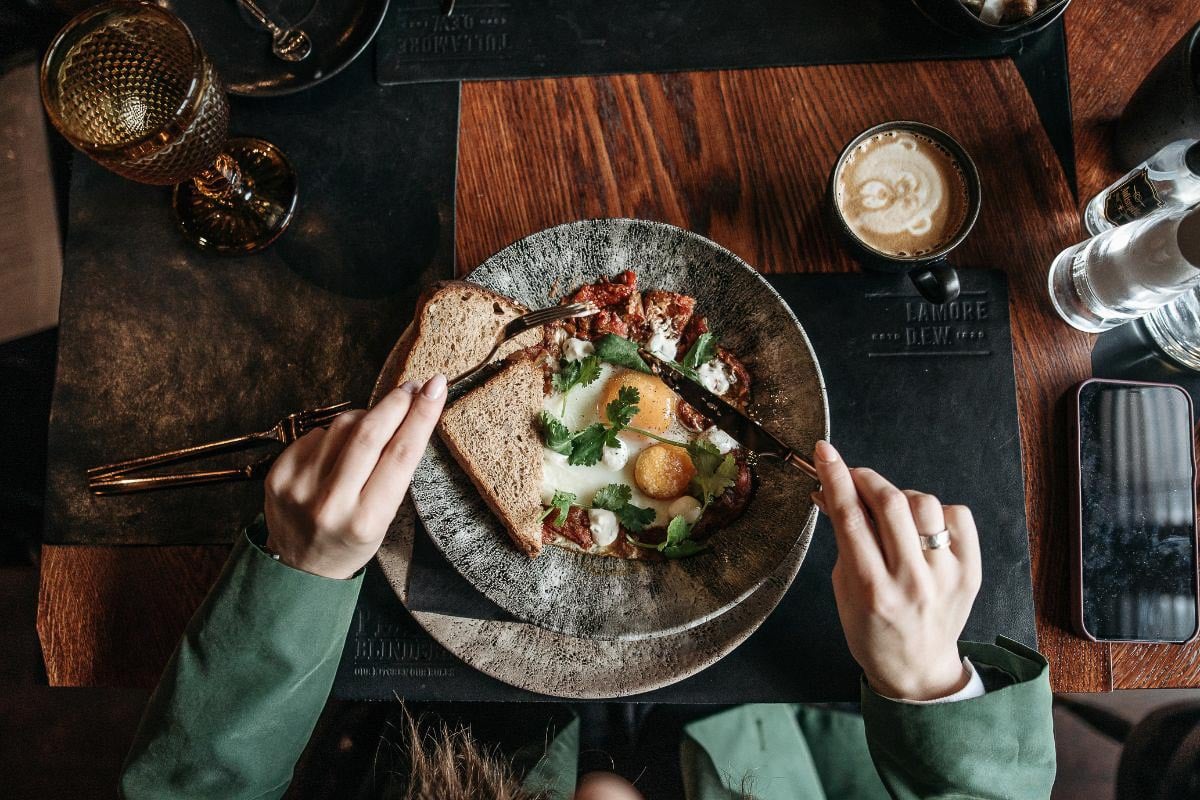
(492, 432)
(455, 327)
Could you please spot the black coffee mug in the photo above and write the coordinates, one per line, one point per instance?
(931, 272)
(1166, 107)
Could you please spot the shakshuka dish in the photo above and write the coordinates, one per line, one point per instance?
(628, 468)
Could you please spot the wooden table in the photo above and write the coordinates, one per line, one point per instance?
(741, 157)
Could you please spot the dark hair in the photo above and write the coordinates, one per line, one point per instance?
(436, 762)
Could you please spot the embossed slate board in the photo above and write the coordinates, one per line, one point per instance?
(925, 394)
(490, 39)
(161, 346)
(501, 39)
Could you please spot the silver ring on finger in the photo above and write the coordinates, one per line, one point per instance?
(935, 541)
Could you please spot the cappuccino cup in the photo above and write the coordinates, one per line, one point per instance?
(904, 194)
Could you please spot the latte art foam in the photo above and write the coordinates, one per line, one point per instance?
(902, 194)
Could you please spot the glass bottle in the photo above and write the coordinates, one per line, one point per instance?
(1176, 329)
(1170, 177)
(1128, 271)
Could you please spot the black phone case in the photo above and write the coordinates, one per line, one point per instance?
(1077, 517)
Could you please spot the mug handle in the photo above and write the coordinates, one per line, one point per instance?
(937, 282)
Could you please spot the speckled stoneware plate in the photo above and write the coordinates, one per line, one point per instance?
(546, 662)
(606, 598)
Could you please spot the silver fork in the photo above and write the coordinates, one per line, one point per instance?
(526, 322)
(111, 478)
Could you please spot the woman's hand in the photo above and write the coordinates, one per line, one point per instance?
(332, 494)
(902, 607)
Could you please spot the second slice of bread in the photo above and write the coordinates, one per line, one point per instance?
(492, 433)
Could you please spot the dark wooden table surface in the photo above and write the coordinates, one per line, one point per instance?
(741, 157)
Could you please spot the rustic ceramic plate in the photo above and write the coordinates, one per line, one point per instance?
(546, 662)
(605, 598)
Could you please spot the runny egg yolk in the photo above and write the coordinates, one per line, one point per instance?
(656, 402)
(663, 471)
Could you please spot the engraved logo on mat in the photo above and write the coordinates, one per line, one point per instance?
(907, 325)
(385, 649)
(473, 32)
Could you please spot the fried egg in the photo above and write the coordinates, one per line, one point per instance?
(585, 405)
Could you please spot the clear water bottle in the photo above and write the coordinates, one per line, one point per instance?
(1176, 329)
(1169, 178)
(1127, 272)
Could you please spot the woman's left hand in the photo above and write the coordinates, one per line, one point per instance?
(332, 494)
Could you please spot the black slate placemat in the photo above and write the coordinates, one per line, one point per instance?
(161, 346)
(494, 39)
(925, 394)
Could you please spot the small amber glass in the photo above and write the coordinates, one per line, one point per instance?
(128, 84)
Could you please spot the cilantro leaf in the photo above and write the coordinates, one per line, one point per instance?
(576, 373)
(635, 518)
(555, 434)
(620, 351)
(615, 497)
(701, 351)
(714, 473)
(562, 503)
(688, 547)
(589, 370)
(705, 456)
(622, 408)
(566, 377)
(583, 372)
(677, 531)
(612, 497)
(588, 445)
(686, 372)
(678, 544)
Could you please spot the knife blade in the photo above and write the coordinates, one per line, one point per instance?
(749, 434)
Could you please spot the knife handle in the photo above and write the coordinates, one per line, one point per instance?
(801, 464)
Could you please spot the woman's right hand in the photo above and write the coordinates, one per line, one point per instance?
(902, 608)
(332, 494)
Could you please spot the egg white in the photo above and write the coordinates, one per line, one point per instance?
(584, 482)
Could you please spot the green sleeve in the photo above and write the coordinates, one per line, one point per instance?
(1000, 745)
(240, 696)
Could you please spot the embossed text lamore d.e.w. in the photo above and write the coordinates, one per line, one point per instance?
(926, 329)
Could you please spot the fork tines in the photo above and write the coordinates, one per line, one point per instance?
(553, 313)
(318, 417)
(285, 431)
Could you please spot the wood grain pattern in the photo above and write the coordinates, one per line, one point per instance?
(1112, 47)
(743, 157)
(111, 616)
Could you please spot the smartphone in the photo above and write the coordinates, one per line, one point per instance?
(1135, 571)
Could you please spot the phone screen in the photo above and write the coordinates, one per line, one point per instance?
(1137, 473)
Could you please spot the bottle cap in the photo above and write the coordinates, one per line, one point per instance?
(1191, 158)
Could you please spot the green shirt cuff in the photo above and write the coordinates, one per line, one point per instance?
(1000, 742)
(256, 535)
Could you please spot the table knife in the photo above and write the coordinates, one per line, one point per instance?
(749, 434)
